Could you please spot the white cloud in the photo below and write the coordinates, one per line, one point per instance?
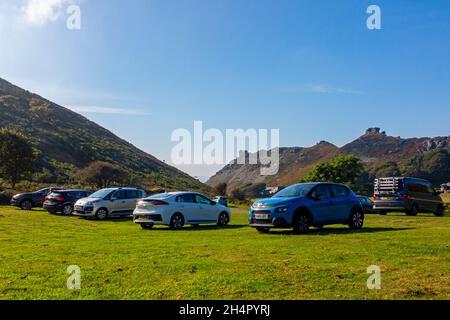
(107, 110)
(41, 12)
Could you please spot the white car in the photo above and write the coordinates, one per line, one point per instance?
(175, 209)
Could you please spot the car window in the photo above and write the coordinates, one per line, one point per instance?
(186, 198)
(132, 194)
(340, 191)
(202, 199)
(322, 191)
(120, 194)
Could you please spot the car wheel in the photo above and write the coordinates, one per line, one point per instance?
(223, 219)
(301, 223)
(263, 230)
(439, 211)
(414, 211)
(356, 219)
(101, 214)
(146, 226)
(177, 221)
(67, 210)
(26, 205)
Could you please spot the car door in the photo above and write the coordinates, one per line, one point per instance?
(185, 204)
(322, 204)
(341, 203)
(119, 203)
(433, 199)
(132, 197)
(206, 211)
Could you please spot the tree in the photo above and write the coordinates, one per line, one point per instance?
(103, 174)
(17, 156)
(344, 169)
(432, 165)
(221, 189)
(237, 194)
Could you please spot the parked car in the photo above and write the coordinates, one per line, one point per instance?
(27, 201)
(221, 200)
(63, 200)
(405, 194)
(176, 209)
(109, 202)
(367, 204)
(306, 205)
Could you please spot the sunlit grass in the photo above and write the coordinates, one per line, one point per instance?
(118, 260)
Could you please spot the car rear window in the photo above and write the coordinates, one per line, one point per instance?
(133, 194)
(340, 191)
(185, 198)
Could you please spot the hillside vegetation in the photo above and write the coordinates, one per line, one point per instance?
(382, 155)
(67, 142)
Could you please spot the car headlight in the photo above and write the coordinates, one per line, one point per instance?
(281, 209)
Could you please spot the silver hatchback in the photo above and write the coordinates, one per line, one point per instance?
(109, 202)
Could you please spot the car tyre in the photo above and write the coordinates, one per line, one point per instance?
(301, 223)
(67, 210)
(439, 211)
(414, 211)
(177, 222)
(223, 219)
(101, 214)
(356, 219)
(26, 205)
(146, 226)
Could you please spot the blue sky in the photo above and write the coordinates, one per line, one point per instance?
(143, 68)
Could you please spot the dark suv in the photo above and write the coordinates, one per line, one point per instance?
(27, 201)
(62, 201)
(405, 194)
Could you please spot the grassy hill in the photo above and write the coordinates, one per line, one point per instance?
(67, 141)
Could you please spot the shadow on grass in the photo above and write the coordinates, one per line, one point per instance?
(325, 231)
(200, 228)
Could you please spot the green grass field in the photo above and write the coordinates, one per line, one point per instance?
(118, 260)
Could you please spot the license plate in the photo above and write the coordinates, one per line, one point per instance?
(79, 208)
(261, 216)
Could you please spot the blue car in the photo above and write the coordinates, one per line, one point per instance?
(306, 205)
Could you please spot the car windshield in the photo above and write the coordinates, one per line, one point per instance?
(297, 190)
(101, 193)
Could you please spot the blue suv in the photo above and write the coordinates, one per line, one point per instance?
(306, 205)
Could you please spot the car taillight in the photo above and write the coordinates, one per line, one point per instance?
(58, 198)
(374, 197)
(159, 203)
